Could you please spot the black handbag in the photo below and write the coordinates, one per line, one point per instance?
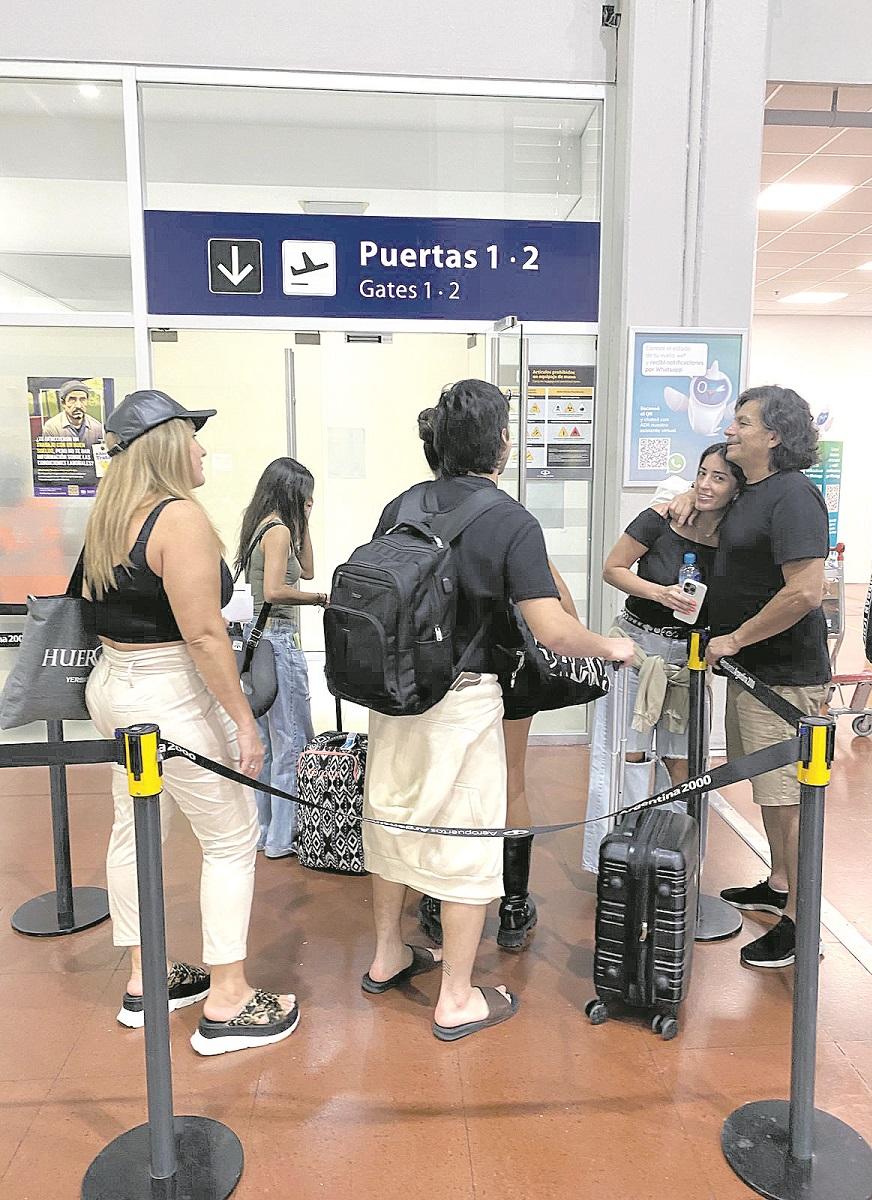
(255, 655)
(59, 646)
(536, 678)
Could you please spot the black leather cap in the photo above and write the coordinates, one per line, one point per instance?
(146, 409)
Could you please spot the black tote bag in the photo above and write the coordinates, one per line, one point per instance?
(59, 647)
(537, 678)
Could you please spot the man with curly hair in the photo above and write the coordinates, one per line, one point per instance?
(765, 610)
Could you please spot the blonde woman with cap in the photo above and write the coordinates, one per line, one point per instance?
(155, 575)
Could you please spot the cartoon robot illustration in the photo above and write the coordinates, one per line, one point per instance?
(708, 402)
(823, 420)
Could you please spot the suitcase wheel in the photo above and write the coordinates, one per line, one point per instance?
(667, 1027)
(596, 1012)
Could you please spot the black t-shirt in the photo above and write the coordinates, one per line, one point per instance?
(779, 520)
(665, 557)
(500, 556)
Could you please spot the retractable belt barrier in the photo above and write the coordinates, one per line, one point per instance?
(762, 692)
(748, 767)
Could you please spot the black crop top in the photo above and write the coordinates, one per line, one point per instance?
(138, 609)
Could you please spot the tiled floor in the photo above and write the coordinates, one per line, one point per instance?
(362, 1100)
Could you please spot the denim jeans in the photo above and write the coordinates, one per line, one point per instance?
(284, 731)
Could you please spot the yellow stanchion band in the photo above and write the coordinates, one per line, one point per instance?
(142, 763)
(816, 772)
(695, 657)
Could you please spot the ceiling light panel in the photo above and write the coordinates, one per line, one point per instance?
(801, 197)
(812, 298)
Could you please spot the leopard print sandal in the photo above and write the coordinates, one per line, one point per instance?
(260, 1023)
(185, 985)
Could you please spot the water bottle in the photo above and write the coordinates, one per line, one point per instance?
(689, 569)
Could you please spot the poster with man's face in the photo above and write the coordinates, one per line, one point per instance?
(66, 432)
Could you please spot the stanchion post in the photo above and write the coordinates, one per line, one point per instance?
(169, 1157)
(60, 832)
(715, 919)
(789, 1150)
(66, 909)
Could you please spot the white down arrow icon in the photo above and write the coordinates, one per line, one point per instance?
(234, 274)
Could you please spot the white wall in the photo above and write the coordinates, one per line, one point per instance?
(819, 41)
(828, 360)
(500, 39)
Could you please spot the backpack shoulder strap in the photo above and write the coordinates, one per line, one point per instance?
(450, 525)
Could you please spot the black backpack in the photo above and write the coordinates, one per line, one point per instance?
(389, 628)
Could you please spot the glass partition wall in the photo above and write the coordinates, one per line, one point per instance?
(87, 150)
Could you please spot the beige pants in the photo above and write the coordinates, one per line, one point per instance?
(444, 767)
(162, 685)
(751, 726)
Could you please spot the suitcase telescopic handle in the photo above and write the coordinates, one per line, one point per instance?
(618, 712)
(339, 728)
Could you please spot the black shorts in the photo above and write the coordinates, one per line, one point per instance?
(517, 710)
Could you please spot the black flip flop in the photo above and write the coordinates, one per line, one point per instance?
(422, 961)
(499, 1009)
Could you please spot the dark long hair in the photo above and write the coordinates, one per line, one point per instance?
(427, 433)
(283, 488)
(468, 424)
(738, 474)
(783, 411)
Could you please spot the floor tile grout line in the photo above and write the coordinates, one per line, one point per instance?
(844, 931)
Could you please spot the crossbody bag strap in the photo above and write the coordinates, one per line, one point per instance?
(255, 542)
(265, 608)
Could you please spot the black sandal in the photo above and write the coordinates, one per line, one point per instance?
(185, 985)
(248, 1028)
(423, 960)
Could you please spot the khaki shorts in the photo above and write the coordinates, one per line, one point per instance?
(751, 726)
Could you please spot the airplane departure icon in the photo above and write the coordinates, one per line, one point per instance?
(308, 266)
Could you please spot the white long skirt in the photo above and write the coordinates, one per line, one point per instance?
(446, 766)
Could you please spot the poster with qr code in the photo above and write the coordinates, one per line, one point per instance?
(681, 395)
(826, 475)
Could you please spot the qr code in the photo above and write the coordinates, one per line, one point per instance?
(654, 454)
(832, 496)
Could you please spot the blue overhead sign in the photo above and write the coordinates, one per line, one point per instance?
(268, 265)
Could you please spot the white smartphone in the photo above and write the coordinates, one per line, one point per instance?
(695, 591)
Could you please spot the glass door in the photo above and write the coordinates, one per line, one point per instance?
(551, 379)
(509, 373)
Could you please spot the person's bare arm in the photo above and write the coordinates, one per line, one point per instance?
(564, 634)
(566, 601)
(183, 550)
(276, 552)
(802, 592)
(625, 553)
(682, 509)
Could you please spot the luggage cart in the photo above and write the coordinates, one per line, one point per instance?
(834, 611)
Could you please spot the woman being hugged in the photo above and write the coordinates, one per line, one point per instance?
(655, 546)
(275, 550)
(154, 571)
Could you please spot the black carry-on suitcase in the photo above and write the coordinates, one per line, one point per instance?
(330, 773)
(646, 908)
